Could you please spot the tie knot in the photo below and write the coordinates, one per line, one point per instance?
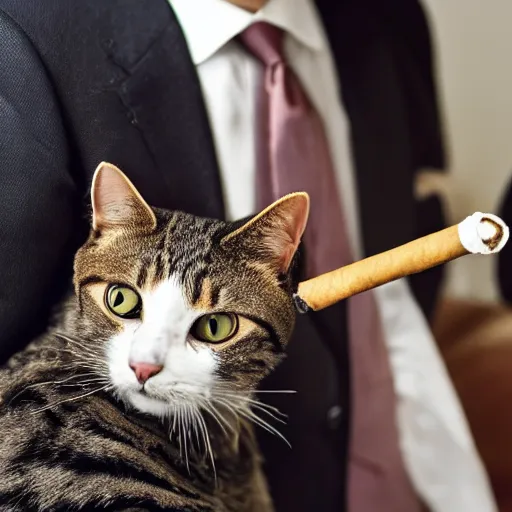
(264, 41)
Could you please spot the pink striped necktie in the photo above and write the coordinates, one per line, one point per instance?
(293, 155)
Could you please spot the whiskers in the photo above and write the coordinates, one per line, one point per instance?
(189, 427)
(239, 404)
(71, 399)
(84, 372)
(226, 409)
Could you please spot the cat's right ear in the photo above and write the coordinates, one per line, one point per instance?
(116, 203)
(275, 233)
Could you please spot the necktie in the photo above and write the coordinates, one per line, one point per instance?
(293, 155)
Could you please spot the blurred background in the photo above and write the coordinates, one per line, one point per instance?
(475, 84)
(473, 324)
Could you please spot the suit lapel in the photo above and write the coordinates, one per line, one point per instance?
(162, 96)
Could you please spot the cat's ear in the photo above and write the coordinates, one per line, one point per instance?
(116, 203)
(276, 232)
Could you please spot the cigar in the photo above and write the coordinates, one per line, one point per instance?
(480, 233)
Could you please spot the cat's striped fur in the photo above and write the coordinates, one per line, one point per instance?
(79, 432)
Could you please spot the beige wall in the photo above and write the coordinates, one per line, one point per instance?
(474, 54)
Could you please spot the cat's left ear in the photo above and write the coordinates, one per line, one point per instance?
(275, 233)
(116, 203)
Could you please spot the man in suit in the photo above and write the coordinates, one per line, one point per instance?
(166, 90)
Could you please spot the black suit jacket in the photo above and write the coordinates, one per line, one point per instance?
(91, 80)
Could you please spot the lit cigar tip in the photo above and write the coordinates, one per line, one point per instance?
(483, 233)
(487, 230)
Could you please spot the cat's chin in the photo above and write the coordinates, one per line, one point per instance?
(149, 405)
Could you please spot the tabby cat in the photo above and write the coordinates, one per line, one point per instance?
(142, 397)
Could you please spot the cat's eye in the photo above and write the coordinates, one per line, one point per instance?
(215, 328)
(123, 301)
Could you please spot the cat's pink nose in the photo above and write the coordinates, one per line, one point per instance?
(144, 371)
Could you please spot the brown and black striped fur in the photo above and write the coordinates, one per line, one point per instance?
(72, 438)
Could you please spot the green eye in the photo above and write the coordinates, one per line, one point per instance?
(215, 328)
(123, 301)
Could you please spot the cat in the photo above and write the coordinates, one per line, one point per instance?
(142, 396)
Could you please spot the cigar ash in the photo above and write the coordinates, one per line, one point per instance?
(491, 232)
(483, 233)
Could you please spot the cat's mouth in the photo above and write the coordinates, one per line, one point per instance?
(149, 403)
(143, 391)
(163, 399)
(148, 393)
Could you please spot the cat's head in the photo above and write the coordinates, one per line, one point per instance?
(179, 309)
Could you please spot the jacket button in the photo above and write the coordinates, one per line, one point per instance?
(334, 417)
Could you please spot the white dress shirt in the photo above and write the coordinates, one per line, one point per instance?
(436, 444)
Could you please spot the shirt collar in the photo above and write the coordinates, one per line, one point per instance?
(210, 24)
